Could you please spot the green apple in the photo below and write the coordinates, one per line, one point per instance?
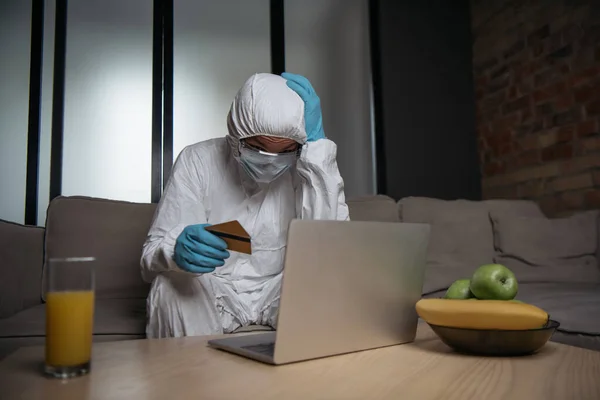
(494, 282)
(459, 290)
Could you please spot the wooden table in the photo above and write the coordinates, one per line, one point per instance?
(186, 368)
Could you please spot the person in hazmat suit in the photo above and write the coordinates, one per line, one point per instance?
(274, 165)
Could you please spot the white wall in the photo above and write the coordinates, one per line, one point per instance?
(217, 46)
(108, 100)
(15, 42)
(328, 42)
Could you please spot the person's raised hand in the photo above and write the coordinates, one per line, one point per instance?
(199, 251)
(313, 118)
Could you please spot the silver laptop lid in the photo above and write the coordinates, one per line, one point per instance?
(349, 286)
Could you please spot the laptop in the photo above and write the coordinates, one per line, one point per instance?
(347, 286)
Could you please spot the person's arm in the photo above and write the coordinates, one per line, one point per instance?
(182, 204)
(320, 194)
(321, 191)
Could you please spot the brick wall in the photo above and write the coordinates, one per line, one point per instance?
(537, 76)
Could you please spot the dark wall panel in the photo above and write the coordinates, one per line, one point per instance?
(427, 99)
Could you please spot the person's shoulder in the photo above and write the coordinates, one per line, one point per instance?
(204, 149)
(205, 145)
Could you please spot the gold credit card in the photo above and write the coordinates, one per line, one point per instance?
(234, 234)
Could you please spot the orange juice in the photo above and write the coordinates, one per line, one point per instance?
(69, 323)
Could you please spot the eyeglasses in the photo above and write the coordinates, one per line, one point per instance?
(247, 146)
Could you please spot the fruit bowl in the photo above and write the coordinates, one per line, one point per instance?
(496, 342)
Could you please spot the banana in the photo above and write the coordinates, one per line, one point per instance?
(481, 314)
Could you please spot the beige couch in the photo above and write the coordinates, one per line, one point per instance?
(556, 261)
(562, 276)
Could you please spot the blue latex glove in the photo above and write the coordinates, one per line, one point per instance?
(313, 118)
(199, 251)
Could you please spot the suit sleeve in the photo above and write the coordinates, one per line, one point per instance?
(320, 194)
(182, 204)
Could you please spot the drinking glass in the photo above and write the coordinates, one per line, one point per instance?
(69, 316)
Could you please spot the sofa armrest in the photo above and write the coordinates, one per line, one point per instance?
(21, 260)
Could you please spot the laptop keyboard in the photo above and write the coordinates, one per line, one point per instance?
(267, 349)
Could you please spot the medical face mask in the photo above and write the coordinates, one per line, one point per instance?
(265, 167)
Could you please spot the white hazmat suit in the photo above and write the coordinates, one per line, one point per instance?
(208, 185)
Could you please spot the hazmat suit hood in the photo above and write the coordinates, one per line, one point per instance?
(265, 105)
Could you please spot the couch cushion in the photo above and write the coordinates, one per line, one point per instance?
(422, 208)
(112, 231)
(21, 259)
(575, 305)
(120, 317)
(111, 317)
(590, 342)
(461, 234)
(373, 208)
(521, 208)
(548, 250)
(598, 239)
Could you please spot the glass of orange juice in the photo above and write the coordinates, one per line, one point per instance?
(69, 316)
